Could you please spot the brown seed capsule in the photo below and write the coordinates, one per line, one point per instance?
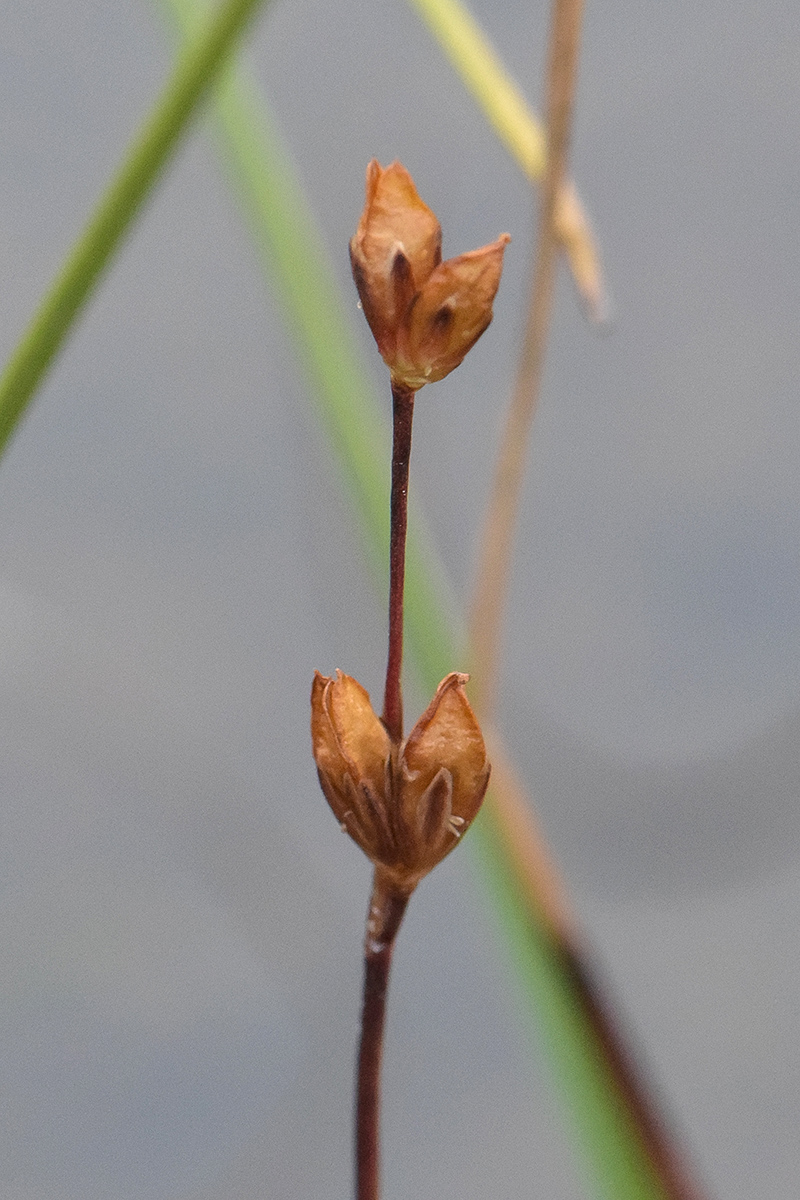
(353, 756)
(406, 806)
(424, 314)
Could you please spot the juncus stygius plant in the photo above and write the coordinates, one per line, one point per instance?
(406, 801)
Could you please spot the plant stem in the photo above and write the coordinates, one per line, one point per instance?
(402, 414)
(386, 909)
(497, 546)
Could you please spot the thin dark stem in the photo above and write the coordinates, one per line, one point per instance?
(403, 413)
(386, 911)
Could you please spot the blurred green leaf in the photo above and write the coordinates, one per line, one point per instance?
(114, 215)
(484, 75)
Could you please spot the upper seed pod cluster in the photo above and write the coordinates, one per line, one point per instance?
(424, 314)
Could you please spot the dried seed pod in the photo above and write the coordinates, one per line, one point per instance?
(406, 806)
(353, 756)
(443, 771)
(425, 314)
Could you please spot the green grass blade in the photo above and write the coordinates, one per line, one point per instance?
(117, 209)
(354, 416)
(615, 1161)
(485, 76)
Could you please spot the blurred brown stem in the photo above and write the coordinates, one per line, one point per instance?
(494, 568)
(538, 877)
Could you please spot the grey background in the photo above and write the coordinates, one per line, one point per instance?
(181, 919)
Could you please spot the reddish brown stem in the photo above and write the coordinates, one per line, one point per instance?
(403, 413)
(386, 911)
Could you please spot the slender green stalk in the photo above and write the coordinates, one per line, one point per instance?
(485, 76)
(114, 215)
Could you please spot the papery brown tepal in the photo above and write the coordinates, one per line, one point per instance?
(406, 806)
(425, 314)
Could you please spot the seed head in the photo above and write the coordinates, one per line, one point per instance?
(406, 806)
(424, 314)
